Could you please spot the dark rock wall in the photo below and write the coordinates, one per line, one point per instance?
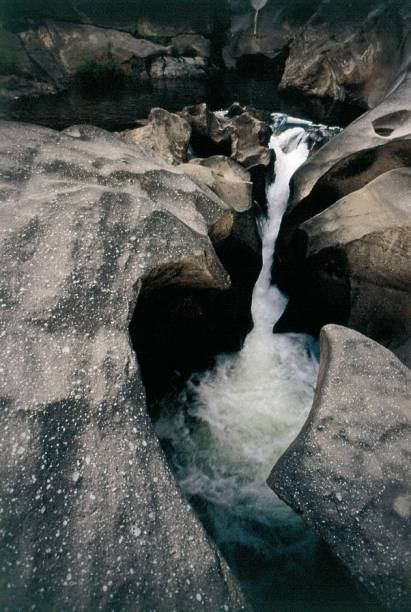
(352, 53)
(345, 239)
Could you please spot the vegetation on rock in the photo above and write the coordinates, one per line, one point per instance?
(97, 74)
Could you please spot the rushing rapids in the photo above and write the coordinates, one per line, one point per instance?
(230, 424)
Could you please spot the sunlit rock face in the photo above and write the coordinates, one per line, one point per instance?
(348, 470)
(165, 133)
(91, 516)
(345, 240)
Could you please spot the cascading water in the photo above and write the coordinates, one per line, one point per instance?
(230, 424)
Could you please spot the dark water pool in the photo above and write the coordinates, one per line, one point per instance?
(119, 109)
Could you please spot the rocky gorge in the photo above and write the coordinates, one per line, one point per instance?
(142, 273)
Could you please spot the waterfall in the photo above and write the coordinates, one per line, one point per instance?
(231, 423)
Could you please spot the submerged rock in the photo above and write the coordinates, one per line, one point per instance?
(348, 472)
(91, 516)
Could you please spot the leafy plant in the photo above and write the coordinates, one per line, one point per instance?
(94, 74)
(257, 6)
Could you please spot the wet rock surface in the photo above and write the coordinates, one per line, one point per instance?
(356, 189)
(92, 517)
(348, 473)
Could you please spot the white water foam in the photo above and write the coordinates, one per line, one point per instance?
(233, 422)
(246, 411)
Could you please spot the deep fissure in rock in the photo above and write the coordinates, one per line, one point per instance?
(179, 329)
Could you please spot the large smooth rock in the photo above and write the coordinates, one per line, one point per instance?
(344, 242)
(92, 518)
(356, 266)
(352, 54)
(59, 47)
(374, 143)
(232, 183)
(249, 141)
(348, 471)
(167, 134)
(19, 76)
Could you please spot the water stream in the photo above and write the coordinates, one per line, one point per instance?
(230, 424)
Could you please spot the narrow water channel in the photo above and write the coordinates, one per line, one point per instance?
(225, 431)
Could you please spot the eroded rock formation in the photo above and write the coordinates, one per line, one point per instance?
(353, 53)
(348, 472)
(167, 134)
(345, 240)
(244, 137)
(91, 516)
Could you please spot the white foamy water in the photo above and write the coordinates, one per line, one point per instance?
(236, 420)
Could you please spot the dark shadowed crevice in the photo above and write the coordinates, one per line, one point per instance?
(178, 328)
(261, 67)
(203, 146)
(322, 282)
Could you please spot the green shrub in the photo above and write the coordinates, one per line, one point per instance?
(93, 74)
